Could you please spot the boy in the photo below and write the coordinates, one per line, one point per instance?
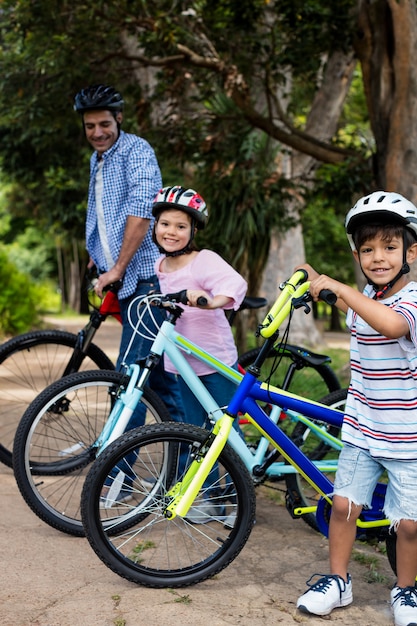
(380, 423)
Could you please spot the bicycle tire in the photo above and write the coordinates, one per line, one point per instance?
(309, 379)
(143, 545)
(391, 546)
(29, 363)
(54, 442)
(298, 488)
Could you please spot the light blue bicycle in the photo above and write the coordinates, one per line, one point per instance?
(75, 419)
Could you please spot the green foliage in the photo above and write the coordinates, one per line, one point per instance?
(18, 302)
(33, 253)
(238, 176)
(50, 49)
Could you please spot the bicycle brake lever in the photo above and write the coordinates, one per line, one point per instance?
(301, 301)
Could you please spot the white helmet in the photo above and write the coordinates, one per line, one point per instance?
(384, 207)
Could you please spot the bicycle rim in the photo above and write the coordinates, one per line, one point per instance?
(54, 443)
(136, 540)
(28, 364)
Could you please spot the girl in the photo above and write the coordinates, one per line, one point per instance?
(179, 213)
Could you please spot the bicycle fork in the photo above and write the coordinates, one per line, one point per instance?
(126, 402)
(184, 492)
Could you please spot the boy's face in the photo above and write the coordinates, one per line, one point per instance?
(382, 259)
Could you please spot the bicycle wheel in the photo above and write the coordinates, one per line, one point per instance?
(29, 363)
(299, 371)
(55, 442)
(137, 540)
(299, 491)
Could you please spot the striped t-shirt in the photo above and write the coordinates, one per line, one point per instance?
(381, 409)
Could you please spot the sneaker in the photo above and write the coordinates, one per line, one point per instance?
(328, 593)
(107, 501)
(115, 491)
(202, 513)
(404, 606)
(230, 520)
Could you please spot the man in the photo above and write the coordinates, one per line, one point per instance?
(124, 179)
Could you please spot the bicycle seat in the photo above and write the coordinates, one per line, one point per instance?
(307, 356)
(250, 302)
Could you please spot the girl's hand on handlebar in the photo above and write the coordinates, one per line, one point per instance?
(198, 297)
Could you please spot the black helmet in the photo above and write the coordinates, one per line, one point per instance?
(98, 97)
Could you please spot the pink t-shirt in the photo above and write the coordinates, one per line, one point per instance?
(209, 329)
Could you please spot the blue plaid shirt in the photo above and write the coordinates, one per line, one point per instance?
(131, 179)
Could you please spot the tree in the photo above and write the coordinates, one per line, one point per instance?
(174, 59)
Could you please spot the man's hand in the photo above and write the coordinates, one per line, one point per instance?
(112, 276)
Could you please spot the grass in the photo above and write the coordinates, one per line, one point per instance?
(180, 599)
(370, 562)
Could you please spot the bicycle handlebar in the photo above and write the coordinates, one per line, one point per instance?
(328, 296)
(296, 287)
(181, 297)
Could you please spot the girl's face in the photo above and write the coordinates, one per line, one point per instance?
(173, 230)
(381, 260)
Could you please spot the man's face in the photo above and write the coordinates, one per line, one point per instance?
(101, 129)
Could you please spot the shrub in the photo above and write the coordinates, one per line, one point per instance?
(18, 302)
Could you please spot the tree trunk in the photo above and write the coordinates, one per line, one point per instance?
(286, 252)
(386, 45)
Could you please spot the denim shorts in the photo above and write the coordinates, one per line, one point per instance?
(357, 475)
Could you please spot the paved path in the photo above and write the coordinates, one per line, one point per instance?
(48, 578)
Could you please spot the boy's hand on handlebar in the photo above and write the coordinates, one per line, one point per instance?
(312, 274)
(321, 282)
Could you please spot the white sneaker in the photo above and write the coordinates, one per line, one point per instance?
(404, 605)
(230, 520)
(107, 502)
(202, 513)
(328, 593)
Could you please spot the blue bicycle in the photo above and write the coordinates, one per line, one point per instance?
(191, 504)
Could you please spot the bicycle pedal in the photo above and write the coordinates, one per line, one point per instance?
(292, 502)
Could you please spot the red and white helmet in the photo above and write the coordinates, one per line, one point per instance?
(182, 199)
(384, 207)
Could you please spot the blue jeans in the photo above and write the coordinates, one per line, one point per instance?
(222, 391)
(160, 381)
(218, 386)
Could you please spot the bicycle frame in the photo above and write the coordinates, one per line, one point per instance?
(249, 392)
(168, 341)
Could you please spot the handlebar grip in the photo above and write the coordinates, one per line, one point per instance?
(181, 297)
(328, 296)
